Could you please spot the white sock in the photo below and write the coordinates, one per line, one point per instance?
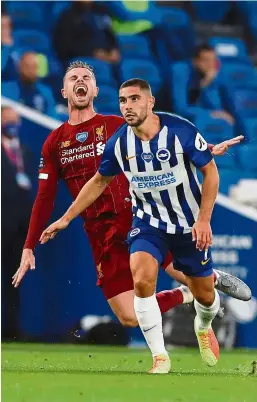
(187, 294)
(150, 321)
(205, 314)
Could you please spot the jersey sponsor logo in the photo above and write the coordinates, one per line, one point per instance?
(99, 133)
(41, 162)
(73, 154)
(154, 181)
(163, 155)
(130, 157)
(81, 137)
(65, 144)
(100, 148)
(147, 156)
(200, 143)
(134, 232)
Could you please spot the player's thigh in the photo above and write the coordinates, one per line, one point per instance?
(122, 306)
(202, 289)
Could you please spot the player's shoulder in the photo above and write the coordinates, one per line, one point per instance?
(176, 121)
(54, 136)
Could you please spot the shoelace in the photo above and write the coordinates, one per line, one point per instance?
(204, 341)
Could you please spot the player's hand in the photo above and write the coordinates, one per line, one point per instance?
(221, 149)
(52, 230)
(202, 234)
(27, 262)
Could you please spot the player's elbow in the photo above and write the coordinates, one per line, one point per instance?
(101, 181)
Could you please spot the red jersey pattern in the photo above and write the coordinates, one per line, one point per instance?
(73, 153)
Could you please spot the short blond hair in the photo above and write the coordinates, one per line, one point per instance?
(79, 64)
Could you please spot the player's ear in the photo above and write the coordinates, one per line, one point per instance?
(96, 91)
(64, 94)
(152, 102)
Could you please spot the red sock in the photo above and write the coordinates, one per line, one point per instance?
(169, 299)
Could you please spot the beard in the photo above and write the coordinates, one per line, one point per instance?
(136, 121)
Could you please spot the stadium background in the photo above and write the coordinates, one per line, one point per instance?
(156, 41)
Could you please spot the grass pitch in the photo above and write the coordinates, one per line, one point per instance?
(67, 373)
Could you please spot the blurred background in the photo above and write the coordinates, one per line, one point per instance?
(200, 59)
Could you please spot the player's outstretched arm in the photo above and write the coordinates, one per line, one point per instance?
(88, 194)
(201, 230)
(41, 212)
(221, 148)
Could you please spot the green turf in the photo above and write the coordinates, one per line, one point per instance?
(61, 373)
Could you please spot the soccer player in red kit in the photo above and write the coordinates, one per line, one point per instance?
(73, 153)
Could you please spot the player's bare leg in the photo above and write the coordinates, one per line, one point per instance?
(207, 304)
(144, 268)
(122, 304)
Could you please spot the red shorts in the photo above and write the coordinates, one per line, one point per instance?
(107, 236)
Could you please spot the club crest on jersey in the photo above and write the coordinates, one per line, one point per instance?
(163, 155)
(134, 232)
(99, 133)
(147, 156)
(81, 137)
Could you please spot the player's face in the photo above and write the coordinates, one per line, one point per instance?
(135, 105)
(80, 88)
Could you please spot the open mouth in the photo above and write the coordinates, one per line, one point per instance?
(80, 91)
(129, 115)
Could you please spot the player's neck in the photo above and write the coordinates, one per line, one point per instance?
(80, 116)
(149, 128)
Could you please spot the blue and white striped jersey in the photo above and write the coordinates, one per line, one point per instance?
(161, 172)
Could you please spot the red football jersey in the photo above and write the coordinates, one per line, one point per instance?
(73, 153)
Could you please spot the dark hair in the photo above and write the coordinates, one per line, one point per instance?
(79, 64)
(136, 82)
(204, 47)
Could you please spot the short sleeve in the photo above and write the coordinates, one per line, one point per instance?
(109, 163)
(197, 150)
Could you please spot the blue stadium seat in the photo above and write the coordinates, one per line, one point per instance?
(26, 14)
(57, 9)
(227, 161)
(248, 9)
(211, 11)
(243, 101)
(214, 130)
(107, 100)
(250, 129)
(134, 46)
(31, 39)
(179, 32)
(247, 157)
(230, 177)
(230, 49)
(103, 70)
(10, 89)
(237, 74)
(145, 69)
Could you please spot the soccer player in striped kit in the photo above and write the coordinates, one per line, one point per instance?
(158, 154)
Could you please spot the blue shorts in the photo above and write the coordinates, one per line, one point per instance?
(186, 258)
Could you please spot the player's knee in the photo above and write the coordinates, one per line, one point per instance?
(128, 321)
(205, 298)
(143, 286)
